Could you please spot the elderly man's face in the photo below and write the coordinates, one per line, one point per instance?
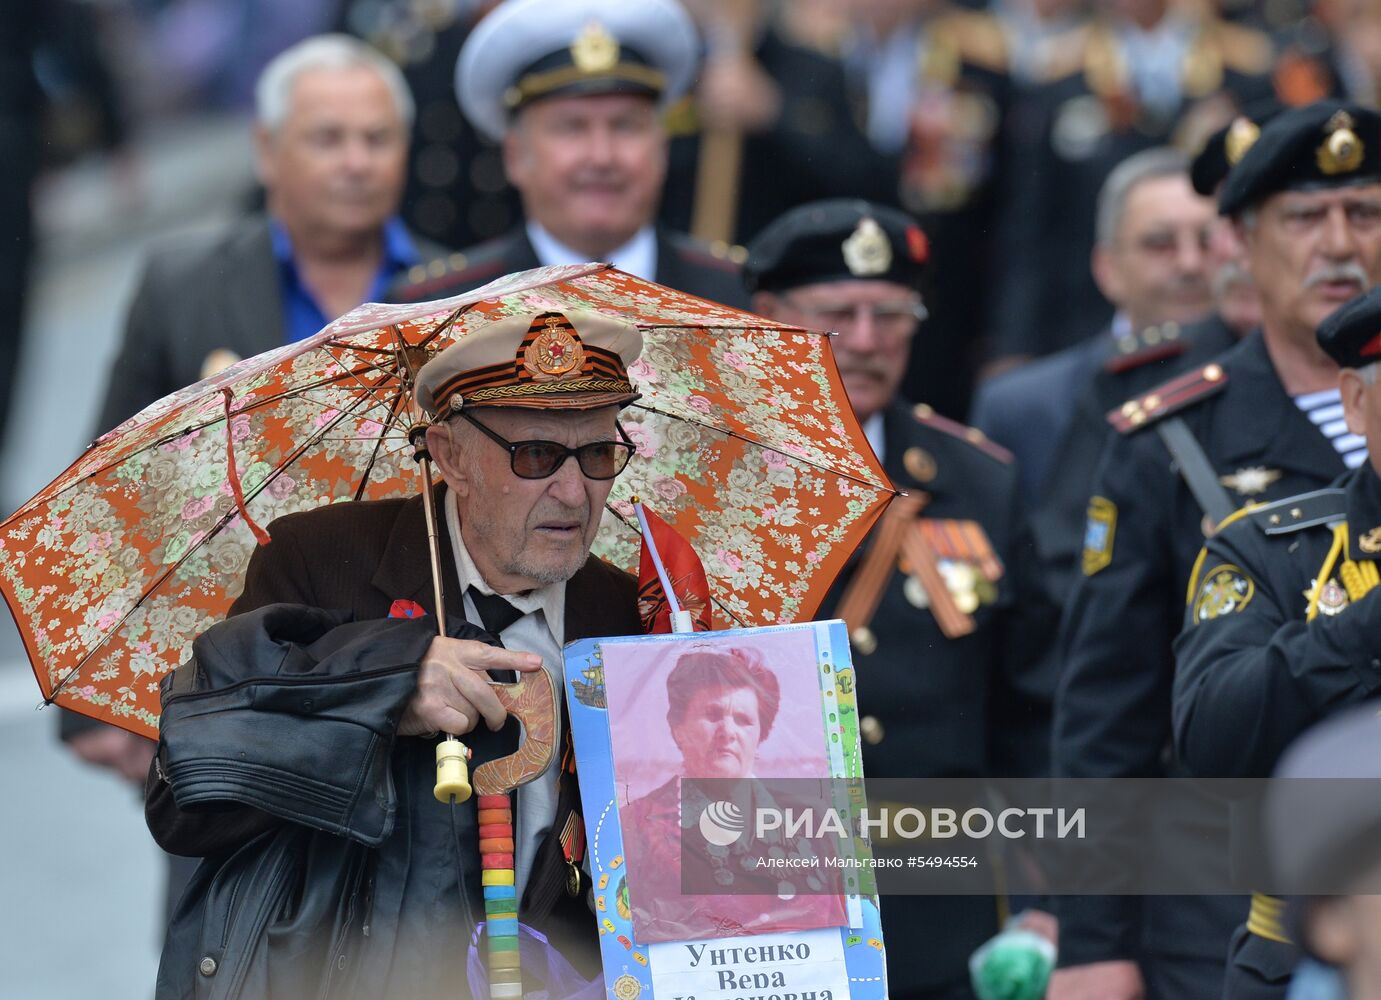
(589, 169)
(335, 167)
(1159, 263)
(719, 733)
(875, 321)
(524, 533)
(1311, 251)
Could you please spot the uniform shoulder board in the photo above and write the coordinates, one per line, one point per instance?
(718, 254)
(1303, 511)
(976, 37)
(1168, 399)
(433, 279)
(926, 416)
(1244, 50)
(1154, 343)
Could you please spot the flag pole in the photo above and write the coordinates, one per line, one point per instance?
(681, 621)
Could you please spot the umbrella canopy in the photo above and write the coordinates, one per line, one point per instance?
(746, 446)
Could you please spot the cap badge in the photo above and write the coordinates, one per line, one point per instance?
(1342, 151)
(1242, 135)
(553, 352)
(594, 49)
(867, 252)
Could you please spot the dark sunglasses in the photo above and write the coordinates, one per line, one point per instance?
(540, 459)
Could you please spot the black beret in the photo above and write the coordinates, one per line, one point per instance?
(844, 239)
(1321, 145)
(1225, 148)
(1351, 335)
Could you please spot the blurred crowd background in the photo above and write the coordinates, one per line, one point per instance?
(123, 121)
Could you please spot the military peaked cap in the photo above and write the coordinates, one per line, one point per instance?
(525, 50)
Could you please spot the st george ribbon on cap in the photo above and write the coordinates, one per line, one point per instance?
(570, 361)
(525, 50)
(1327, 144)
(1351, 335)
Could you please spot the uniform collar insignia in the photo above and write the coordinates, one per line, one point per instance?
(1251, 480)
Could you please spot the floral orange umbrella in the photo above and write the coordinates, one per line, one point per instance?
(746, 446)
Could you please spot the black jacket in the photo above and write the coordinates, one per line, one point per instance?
(1252, 672)
(1112, 708)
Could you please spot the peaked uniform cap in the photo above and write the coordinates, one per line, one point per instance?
(551, 360)
(525, 50)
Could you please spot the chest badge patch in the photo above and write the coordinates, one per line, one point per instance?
(1225, 590)
(1250, 481)
(1098, 534)
(1332, 599)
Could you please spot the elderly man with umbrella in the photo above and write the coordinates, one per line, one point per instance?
(526, 439)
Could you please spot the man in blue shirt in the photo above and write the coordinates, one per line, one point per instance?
(331, 141)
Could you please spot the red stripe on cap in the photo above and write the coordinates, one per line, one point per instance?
(1371, 348)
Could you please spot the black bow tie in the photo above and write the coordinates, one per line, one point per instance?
(496, 614)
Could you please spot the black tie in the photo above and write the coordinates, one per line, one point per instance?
(496, 614)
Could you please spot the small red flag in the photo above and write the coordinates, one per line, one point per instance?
(683, 569)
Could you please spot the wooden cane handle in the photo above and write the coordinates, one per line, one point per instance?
(532, 701)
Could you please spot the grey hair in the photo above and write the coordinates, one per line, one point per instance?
(1149, 164)
(1367, 373)
(273, 90)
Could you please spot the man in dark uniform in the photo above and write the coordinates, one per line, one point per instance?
(1278, 631)
(1242, 423)
(574, 89)
(1155, 260)
(787, 105)
(1125, 82)
(946, 624)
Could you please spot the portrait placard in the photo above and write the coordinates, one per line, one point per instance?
(657, 720)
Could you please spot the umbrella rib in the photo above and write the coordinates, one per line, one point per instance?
(638, 531)
(379, 443)
(733, 326)
(760, 444)
(224, 519)
(257, 404)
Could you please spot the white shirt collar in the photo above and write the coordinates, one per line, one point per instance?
(550, 600)
(638, 256)
(872, 430)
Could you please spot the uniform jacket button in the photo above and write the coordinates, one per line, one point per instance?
(207, 966)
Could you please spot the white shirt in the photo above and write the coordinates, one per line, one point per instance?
(541, 630)
(872, 430)
(638, 256)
